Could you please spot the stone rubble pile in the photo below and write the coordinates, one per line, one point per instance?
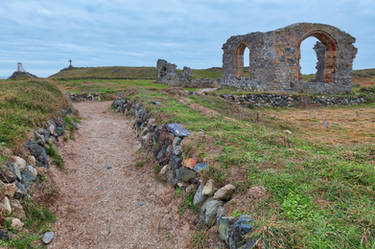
(85, 97)
(165, 142)
(168, 74)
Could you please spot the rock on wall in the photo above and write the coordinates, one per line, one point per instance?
(275, 55)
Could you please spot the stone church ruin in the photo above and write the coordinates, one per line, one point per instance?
(169, 75)
(275, 55)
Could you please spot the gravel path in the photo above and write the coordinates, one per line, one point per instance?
(105, 202)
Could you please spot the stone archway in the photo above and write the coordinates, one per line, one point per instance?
(239, 59)
(326, 54)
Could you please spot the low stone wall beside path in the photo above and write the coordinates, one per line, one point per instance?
(18, 177)
(164, 140)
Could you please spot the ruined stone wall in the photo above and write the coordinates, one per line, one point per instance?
(167, 74)
(274, 59)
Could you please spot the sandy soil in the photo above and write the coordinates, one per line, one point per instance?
(105, 202)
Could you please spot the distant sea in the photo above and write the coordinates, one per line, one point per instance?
(3, 77)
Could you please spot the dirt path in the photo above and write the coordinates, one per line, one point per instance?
(105, 201)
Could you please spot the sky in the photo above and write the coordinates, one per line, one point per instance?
(45, 34)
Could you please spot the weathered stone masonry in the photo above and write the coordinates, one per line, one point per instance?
(275, 55)
(167, 74)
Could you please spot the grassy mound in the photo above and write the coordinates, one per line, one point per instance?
(145, 73)
(22, 76)
(24, 105)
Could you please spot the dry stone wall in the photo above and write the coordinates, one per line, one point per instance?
(289, 100)
(165, 142)
(19, 176)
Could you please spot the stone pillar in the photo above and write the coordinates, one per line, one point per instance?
(320, 50)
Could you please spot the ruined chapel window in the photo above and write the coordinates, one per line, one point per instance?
(242, 61)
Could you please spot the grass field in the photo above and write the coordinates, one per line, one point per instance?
(362, 78)
(23, 106)
(320, 184)
(106, 86)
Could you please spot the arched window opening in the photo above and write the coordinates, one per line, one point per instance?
(242, 61)
(325, 51)
(312, 61)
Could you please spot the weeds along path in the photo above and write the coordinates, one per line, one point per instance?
(105, 201)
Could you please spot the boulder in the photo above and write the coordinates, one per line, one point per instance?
(39, 153)
(4, 235)
(190, 163)
(21, 192)
(10, 190)
(242, 227)
(200, 166)
(164, 170)
(5, 206)
(16, 171)
(224, 193)
(185, 174)
(209, 211)
(20, 162)
(29, 176)
(7, 175)
(31, 160)
(17, 209)
(3, 190)
(16, 223)
(209, 188)
(60, 131)
(52, 128)
(235, 230)
(177, 130)
(199, 197)
(224, 226)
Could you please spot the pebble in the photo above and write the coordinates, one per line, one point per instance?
(100, 188)
(141, 203)
(48, 237)
(109, 167)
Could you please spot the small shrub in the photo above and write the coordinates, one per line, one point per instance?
(297, 207)
(56, 158)
(199, 240)
(178, 193)
(38, 218)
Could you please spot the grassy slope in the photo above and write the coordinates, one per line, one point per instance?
(145, 73)
(23, 106)
(319, 196)
(106, 86)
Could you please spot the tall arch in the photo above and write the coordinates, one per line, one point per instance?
(329, 61)
(238, 59)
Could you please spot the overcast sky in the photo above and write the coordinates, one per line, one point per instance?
(44, 34)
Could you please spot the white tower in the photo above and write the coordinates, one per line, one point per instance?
(20, 67)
